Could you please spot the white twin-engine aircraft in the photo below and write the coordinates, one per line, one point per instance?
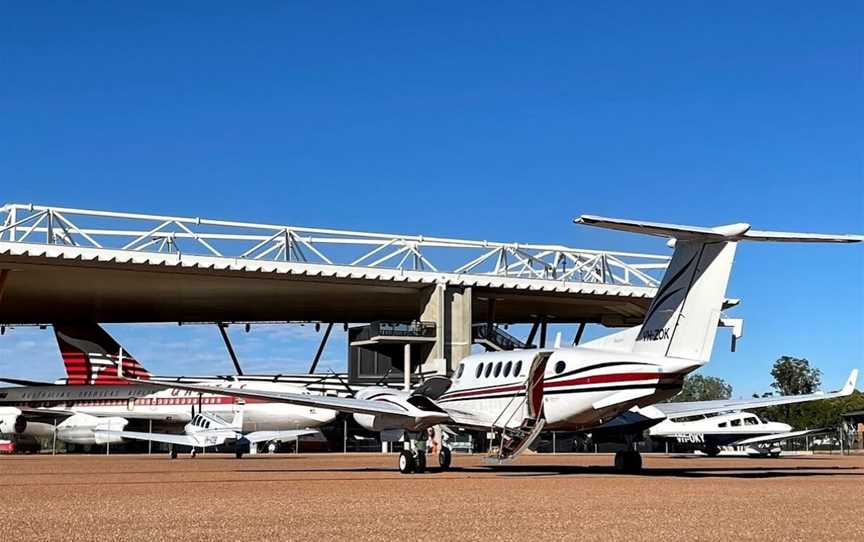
(208, 430)
(695, 426)
(516, 394)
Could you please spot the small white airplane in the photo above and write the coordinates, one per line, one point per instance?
(734, 427)
(208, 430)
(515, 394)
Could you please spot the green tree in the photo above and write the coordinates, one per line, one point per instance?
(703, 388)
(794, 376)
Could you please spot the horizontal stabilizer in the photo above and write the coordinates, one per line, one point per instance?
(23, 382)
(730, 232)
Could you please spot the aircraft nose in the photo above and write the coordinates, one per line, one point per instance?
(785, 427)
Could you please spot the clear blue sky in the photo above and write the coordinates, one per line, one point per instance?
(491, 120)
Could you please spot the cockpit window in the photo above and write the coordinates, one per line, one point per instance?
(751, 421)
(736, 423)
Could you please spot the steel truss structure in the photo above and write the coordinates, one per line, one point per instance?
(145, 233)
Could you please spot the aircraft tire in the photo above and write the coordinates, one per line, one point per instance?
(238, 454)
(712, 451)
(172, 454)
(634, 462)
(406, 462)
(193, 453)
(420, 465)
(629, 461)
(619, 460)
(445, 458)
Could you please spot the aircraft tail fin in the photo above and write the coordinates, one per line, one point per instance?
(237, 422)
(91, 355)
(682, 320)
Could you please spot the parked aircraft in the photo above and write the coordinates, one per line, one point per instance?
(96, 400)
(207, 430)
(734, 427)
(516, 394)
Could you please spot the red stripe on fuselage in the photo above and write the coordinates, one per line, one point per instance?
(595, 379)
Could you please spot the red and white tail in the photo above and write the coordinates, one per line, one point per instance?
(90, 355)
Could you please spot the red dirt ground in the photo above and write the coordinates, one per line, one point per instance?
(324, 497)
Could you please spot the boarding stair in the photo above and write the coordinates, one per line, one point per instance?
(509, 442)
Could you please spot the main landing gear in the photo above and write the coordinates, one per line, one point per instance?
(410, 461)
(629, 461)
(413, 458)
(444, 458)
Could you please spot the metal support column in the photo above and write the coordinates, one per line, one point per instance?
(531, 334)
(407, 367)
(230, 348)
(149, 435)
(321, 348)
(490, 317)
(543, 333)
(4, 276)
(578, 338)
(54, 439)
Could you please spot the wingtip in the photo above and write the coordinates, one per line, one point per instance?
(850, 384)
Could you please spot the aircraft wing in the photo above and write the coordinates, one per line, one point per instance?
(23, 382)
(342, 404)
(694, 408)
(184, 440)
(466, 420)
(781, 436)
(264, 436)
(42, 415)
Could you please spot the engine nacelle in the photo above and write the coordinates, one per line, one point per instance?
(82, 429)
(379, 422)
(12, 424)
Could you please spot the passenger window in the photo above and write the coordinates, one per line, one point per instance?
(479, 370)
(722, 424)
(488, 370)
(559, 367)
(517, 368)
(751, 421)
(507, 368)
(736, 423)
(460, 371)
